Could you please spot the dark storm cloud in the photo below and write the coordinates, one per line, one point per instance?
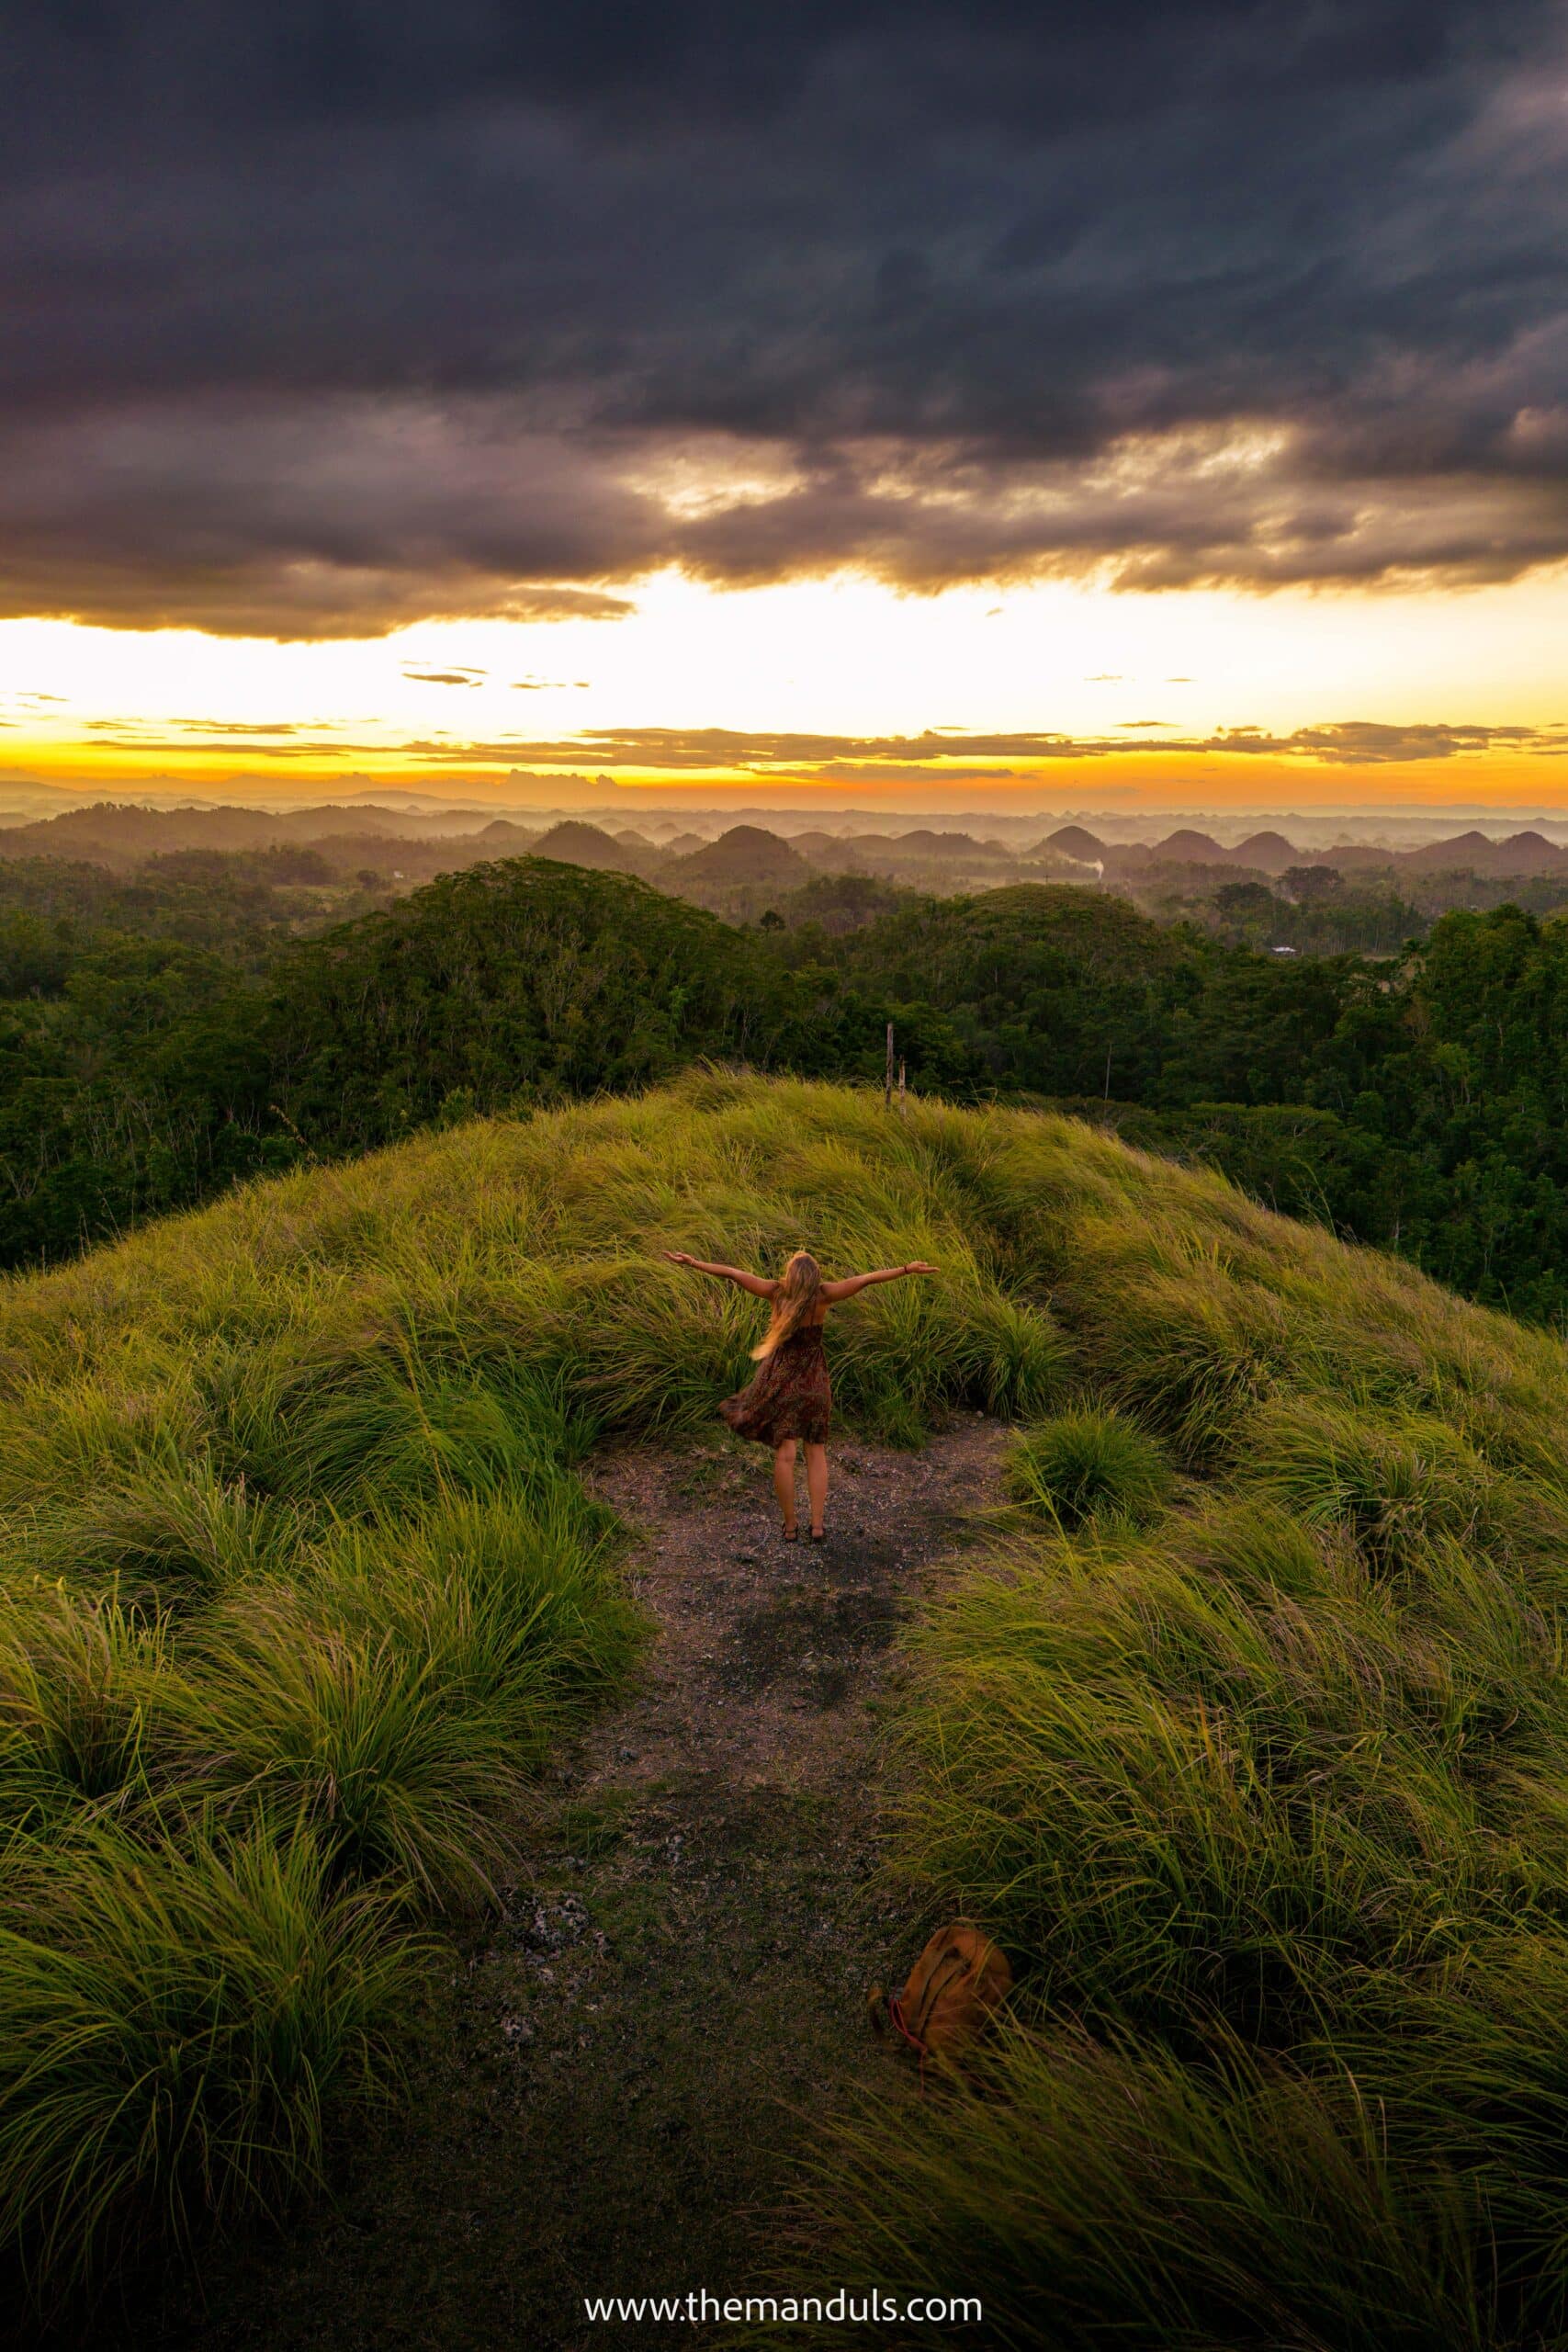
(325, 317)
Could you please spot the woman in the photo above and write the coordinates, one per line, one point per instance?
(790, 1397)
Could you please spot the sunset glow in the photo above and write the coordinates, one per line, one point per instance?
(788, 695)
(1169, 412)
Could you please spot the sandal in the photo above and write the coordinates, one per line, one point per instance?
(818, 1535)
(791, 1535)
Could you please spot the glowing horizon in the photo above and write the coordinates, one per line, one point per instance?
(938, 407)
(838, 692)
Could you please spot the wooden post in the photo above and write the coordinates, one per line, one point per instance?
(900, 1086)
(887, 1080)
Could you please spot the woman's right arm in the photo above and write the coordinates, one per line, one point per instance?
(758, 1285)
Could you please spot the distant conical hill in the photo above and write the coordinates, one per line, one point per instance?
(830, 851)
(571, 842)
(1269, 852)
(745, 854)
(503, 834)
(1472, 849)
(1526, 853)
(1072, 841)
(1186, 847)
(1529, 852)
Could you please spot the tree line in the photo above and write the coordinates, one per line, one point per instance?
(150, 1056)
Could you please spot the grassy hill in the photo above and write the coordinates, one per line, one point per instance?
(164, 1037)
(1248, 1744)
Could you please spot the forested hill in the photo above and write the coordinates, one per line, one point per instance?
(507, 985)
(1418, 1104)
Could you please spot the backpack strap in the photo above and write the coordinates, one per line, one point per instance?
(935, 1986)
(895, 2011)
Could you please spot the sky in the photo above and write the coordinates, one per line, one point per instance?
(949, 405)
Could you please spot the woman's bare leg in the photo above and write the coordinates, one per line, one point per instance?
(783, 1480)
(816, 1485)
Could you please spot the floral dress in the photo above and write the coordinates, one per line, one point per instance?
(789, 1395)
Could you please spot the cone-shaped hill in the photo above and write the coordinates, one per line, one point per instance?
(1268, 852)
(1074, 841)
(1186, 847)
(745, 854)
(571, 842)
(1526, 853)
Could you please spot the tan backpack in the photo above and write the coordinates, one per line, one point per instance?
(953, 1988)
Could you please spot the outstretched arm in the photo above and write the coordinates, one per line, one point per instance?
(759, 1284)
(852, 1283)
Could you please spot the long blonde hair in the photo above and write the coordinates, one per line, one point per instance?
(795, 1301)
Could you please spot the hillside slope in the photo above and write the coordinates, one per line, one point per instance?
(1249, 1746)
(1417, 1105)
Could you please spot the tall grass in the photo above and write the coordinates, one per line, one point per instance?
(178, 2018)
(1248, 1744)
(1092, 2193)
(81, 1688)
(1258, 1776)
(300, 1582)
(1088, 1465)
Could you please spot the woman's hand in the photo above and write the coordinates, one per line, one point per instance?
(920, 1266)
(679, 1257)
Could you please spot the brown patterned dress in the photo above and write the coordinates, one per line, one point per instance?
(789, 1396)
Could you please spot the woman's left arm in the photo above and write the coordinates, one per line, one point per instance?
(834, 1292)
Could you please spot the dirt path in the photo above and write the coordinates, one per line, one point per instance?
(679, 1979)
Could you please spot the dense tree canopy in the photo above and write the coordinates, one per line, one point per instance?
(511, 983)
(159, 1039)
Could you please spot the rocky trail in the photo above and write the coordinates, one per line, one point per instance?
(630, 2055)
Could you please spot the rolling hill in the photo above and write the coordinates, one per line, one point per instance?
(744, 853)
(1269, 852)
(120, 833)
(1527, 852)
(1245, 1736)
(517, 981)
(1186, 847)
(1074, 841)
(571, 842)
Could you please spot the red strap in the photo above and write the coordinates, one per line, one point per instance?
(895, 2011)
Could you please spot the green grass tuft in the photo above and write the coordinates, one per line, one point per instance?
(1089, 1465)
(170, 2041)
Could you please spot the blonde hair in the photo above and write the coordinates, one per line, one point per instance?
(793, 1301)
